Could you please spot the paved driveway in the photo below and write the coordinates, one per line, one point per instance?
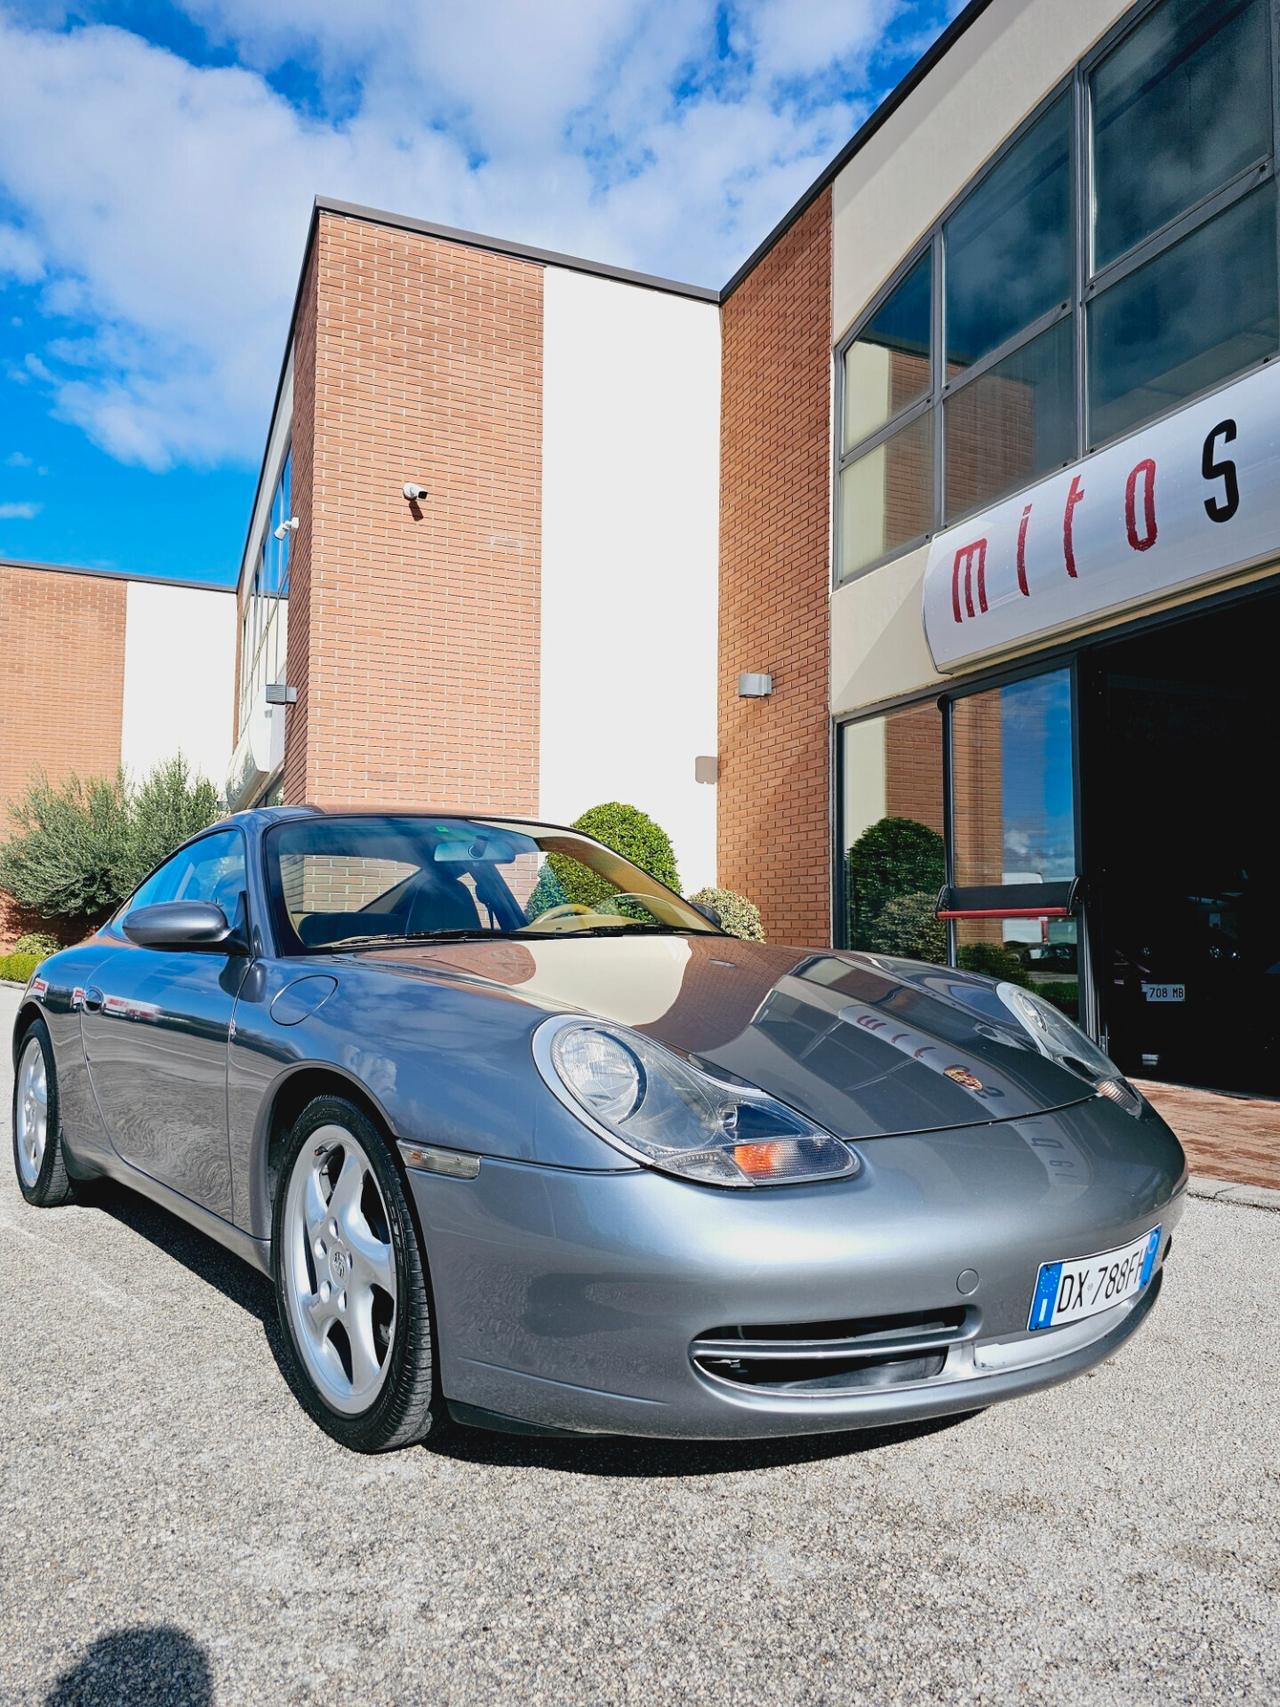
(172, 1528)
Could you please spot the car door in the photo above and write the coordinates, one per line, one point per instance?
(156, 1026)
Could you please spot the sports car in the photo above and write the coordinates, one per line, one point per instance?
(524, 1140)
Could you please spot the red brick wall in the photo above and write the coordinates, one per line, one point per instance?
(413, 639)
(62, 639)
(775, 473)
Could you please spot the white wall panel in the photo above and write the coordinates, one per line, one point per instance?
(630, 497)
(179, 673)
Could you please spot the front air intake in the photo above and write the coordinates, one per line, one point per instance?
(861, 1354)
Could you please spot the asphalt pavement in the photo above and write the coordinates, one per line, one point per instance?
(173, 1529)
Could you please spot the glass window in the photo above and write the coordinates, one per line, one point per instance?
(1040, 954)
(286, 514)
(886, 497)
(1008, 245)
(1011, 424)
(211, 869)
(1180, 106)
(1012, 784)
(886, 368)
(340, 880)
(891, 833)
(1188, 320)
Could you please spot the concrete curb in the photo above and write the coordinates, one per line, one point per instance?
(1228, 1191)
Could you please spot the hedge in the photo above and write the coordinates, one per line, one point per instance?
(738, 916)
(19, 967)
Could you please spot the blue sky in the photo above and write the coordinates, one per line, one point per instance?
(158, 162)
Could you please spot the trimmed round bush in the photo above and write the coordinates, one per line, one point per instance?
(893, 857)
(19, 967)
(629, 832)
(37, 942)
(738, 916)
(908, 926)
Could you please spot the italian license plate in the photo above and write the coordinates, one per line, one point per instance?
(1165, 992)
(1068, 1291)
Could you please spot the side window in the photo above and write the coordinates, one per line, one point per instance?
(211, 869)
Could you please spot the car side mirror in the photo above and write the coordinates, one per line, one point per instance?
(183, 924)
(708, 913)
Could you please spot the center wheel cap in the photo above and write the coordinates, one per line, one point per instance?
(339, 1267)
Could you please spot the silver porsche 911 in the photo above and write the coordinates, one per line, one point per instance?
(524, 1140)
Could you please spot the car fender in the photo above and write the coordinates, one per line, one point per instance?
(441, 1059)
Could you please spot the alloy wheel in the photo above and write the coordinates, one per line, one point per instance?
(339, 1269)
(31, 1109)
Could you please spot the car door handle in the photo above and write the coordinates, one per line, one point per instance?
(93, 999)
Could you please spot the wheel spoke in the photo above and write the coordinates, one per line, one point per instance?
(359, 1326)
(320, 1313)
(315, 1210)
(374, 1260)
(346, 1193)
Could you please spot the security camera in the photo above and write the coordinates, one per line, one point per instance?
(289, 526)
(413, 492)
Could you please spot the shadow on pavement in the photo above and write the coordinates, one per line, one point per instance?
(155, 1666)
(617, 1455)
(199, 1255)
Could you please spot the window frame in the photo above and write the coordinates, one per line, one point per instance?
(222, 828)
(1086, 286)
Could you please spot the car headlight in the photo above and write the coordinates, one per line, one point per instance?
(1054, 1035)
(660, 1110)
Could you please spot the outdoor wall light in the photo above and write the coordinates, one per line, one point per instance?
(291, 526)
(755, 684)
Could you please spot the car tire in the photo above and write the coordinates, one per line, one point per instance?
(352, 1290)
(39, 1159)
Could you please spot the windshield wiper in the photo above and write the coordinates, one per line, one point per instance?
(389, 938)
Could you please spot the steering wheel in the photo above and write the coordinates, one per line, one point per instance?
(566, 910)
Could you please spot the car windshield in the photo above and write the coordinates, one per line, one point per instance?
(347, 882)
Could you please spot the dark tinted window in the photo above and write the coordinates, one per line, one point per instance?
(1182, 104)
(1008, 246)
(886, 496)
(887, 367)
(1011, 424)
(1188, 320)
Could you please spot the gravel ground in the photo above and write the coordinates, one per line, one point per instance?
(173, 1529)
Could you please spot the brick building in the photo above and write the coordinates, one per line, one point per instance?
(928, 565)
(108, 670)
(936, 463)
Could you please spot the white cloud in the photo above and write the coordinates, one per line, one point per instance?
(19, 512)
(17, 459)
(20, 256)
(165, 205)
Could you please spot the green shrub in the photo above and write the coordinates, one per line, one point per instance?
(738, 916)
(891, 858)
(38, 943)
(80, 847)
(993, 961)
(909, 926)
(18, 967)
(629, 832)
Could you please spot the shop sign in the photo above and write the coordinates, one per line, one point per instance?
(1183, 502)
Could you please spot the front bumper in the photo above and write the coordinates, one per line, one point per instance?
(571, 1300)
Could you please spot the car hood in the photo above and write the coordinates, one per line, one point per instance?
(866, 1046)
